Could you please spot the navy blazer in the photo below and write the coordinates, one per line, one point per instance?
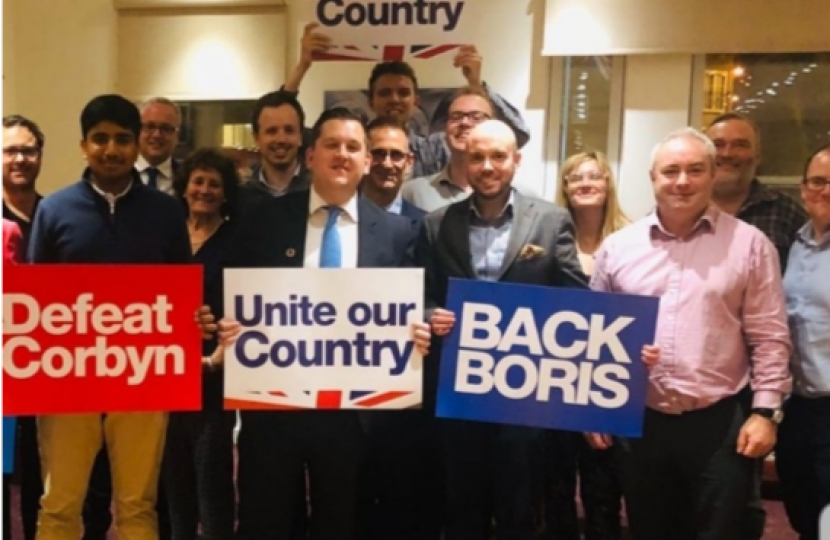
(273, 235)
(413, 213)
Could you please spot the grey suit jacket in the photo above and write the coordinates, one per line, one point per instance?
(541, 249)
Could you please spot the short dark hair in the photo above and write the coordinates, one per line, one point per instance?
(215, 160)
(391, 68)
(726, 117)
(14, 120)
(111, 108)
(824, 148)
(337, 113)
(277, 98)
(385, 122)
(470, 90)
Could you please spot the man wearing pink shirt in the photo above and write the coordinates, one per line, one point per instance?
(714, 399)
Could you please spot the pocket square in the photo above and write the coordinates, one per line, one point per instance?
(530, 251)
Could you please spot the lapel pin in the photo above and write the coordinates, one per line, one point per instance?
(290, 252)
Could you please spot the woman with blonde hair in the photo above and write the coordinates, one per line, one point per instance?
(588, 190)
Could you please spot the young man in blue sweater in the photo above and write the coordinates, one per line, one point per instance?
(107, 217)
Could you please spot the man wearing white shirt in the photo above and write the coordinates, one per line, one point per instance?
(328, 226)
(161, 121)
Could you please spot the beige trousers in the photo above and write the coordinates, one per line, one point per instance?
(68, 446)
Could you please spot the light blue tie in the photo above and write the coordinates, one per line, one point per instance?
(330, 253)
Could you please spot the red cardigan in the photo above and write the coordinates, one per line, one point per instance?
(12, 243)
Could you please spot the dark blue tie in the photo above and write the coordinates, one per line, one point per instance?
(152, 177)
(330, 252)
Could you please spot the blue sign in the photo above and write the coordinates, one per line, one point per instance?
(9, 432)
(546, 357)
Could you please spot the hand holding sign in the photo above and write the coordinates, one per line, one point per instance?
(469, 60)
(313, 42)
(206, 322)
(442, 321)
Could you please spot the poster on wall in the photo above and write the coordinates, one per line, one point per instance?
(429, 116)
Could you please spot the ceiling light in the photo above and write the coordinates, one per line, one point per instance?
(738, 71)
(771, 92)
(806, 70)
(775, 84)
(583, 76)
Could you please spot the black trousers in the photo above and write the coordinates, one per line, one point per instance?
(197, 474)
(489, 480)
(275, 451)
(803, 461)
(402, 479)
(684, 479)
(566, 459)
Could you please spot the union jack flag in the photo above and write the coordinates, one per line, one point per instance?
(383, 53)
(323, 399)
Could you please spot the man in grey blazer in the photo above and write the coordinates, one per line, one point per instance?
(496, 235)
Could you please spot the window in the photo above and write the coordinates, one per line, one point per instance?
(586, 99)
(784, 94)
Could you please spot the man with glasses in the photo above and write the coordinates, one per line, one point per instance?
(161, 120)
(470, 106)
(22, 154)
(393, 91)
(391, 164)
(803, 450)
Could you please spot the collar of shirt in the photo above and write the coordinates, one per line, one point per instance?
(507, 211)
(110, 197)
(396, 206)
(165, 168)
(807, 235)
(442, 178)
(315, 203)
(707, 222)
(269, 187)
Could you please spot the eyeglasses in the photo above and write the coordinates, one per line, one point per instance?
(379, 155)
(590, 177)
(166, 129)
(816, 183)
(28, 152)
(475, 116)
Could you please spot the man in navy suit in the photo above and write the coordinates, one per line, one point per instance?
(391, 164)
(275, 448)
(402, 484)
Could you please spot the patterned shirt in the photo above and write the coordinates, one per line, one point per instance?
(776, 214)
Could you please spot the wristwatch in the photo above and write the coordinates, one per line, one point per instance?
(773, 415)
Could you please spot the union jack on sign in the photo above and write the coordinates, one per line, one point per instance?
(323, 399)
(383, 53)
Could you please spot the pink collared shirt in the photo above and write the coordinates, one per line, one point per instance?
(722, 321)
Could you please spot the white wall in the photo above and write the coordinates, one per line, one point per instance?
(8, 86)
(656, 101)
(60, 54)
(509, 39)
(193, 54)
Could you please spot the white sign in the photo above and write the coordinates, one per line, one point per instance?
(392, 22)
(323, 339)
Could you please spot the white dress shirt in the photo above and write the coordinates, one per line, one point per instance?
(164, 181)
(346, 226)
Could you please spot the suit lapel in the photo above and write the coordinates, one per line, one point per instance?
(291, 232)
(524, 219)
(455, 233)
(366, 234)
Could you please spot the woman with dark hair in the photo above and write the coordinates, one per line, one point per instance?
(198, 456)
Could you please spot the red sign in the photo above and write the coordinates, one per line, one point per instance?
(101, 338)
